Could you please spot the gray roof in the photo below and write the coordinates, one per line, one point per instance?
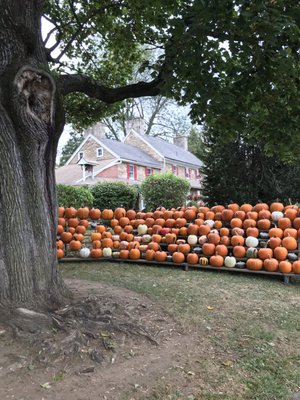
(171, 151)
(131, 153)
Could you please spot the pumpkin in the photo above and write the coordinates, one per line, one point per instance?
(116, 244)
(178, 257)
(264, 214)
(237, 240)
(252, 215)
(189, 214)
(114, 222)
(96, 244)
(119, 213)
(71, 230)
(217, 208)
(96, 253)
(61, 221)
(265, 253)
(123, 221)
(234, 207)
(170, 238)
(180, 222)
(208, 249)
(209, 222)
(237, 232)
(149, 255)
(160, 256)
(183, 231)
(128, 228)
(202, 239)
(280, 253)
(133, 245)
(70, 212)
(184, 248)
(107, 242)
(100, 228)
(249, 223)
(227, 215)
(168, 214)
(156, 229)
(59, 230)
(225, 240)
(131, 214)
(154, 246)
(204, 230)
(276, 215)
(276, 232)
(203, 261)
(296, 223)
(60, 244)
(246, 207)
(61, 212)
(83, 212)
(172, 247)
(107, 252)
(210, 216)
(276, 207)
(80, 229)
(116, 254)
(260, 206)
(60, 253)
(291, 213)
(271, 264)
(240, 214)
(284, 223)
(134, 254)
(130, 237)
(95, 214)
(285, 267)
(73, 222)
(251, 231)
(218, 225)
(239, 251)
(290, 232)
(296, 267)
(230, 262)
(95, 236)
(213, 238)
(240, 265)
(224, 232)
(85, 252)
(124, 254)
(252, 241)
(289, 243)
(78, 236)
(66, 237)
(254, 264)
(252, 252)
(147, 238)
(149, 222)
(192, 258)
(292, 257)
(192, 239)
(107, 214)
(156, 238)
(118, 229)
(236, 223)
(221, 250)
(170, 223)
(216, 261)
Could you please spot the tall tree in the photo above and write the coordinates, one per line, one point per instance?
(86, 70)
(242, 172)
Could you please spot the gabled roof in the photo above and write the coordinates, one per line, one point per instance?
(171, 151)
(128, 152)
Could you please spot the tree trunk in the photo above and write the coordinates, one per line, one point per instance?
(30, 126)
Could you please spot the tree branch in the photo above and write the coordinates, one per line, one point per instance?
(84, 84)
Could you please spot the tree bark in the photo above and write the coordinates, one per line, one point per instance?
(30, 126)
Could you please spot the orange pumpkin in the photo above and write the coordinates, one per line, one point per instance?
(80, 229)
(249, 223)
(61, 212)
(192, 258)
(95, 213)
(73, 222)
(280, 253)
(208, 249)
(254, 264)
(79, 236)
(260, 206)
(264, 224)
(296, 267)
(276, 232)
(123, 221)
(224, 232)
(75, 245)
(107, 242)
(134, 254)
(274, 242)
(178, 257)
(296, 223)
(153, 246)
(290, 232)
(96, 253)
(221, 250)
(183, 231)
(119, 212)
(60, 244)
(180, 222)
(128, 228)
(124, 254)
(96, 244)
(285, 267)
(66, 237)
(227, 215)
(236, 223)
(289, 243)
(276, 207)
(95, 236)
(240, 215)
(237, 240)
(107, 214)
(204, 230)
(131, 214)
(193, 229)
(72, 229)
(62, 221)
(150, 221)
(160, 256)
(100, 228)
(264, 214)
(225, 240)
(271, 264)
(252, 231)
(83, 212)
(284, 223)
(216, 261)
(84, 222)
(234, 207)
(291, 213)
(60, 253)
(149, 255)
(70, 212)
(265, 253)
(59, 229)
(189, 215)
(246, 207)
(184, 248)
(118, 229)
(213, 238)
(239, 251)
(172, 247)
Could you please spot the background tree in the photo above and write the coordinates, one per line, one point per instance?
(224, 58)
(75, 139)
(241, 172)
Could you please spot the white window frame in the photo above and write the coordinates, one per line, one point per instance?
(131, 171)
(149, 171)
(97, 152)
(80, 154)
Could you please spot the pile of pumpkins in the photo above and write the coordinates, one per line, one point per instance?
(259, 237)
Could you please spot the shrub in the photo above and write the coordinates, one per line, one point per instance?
(114, 194)
(165, 190)
(74, 196)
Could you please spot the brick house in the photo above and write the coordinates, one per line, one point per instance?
(98, 159)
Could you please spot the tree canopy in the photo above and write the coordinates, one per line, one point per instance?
(235, 62)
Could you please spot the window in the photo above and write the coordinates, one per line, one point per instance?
(148, 171)
(131, 171)
(80, 155)
(99, 152)
(174, 169)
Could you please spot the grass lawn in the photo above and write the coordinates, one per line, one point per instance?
(250, 327)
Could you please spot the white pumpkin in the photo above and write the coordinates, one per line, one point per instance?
(142, 229)
(123, 245)
(85, 252)
(203, 239)
(147, 238)
(252, 241)
(115, 237)
(230, 262)
(209, 222)
(192, 239)
(137, 239)
(107, 252)
(276, 215)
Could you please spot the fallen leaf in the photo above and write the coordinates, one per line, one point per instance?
(191, 373)
(46, 385)
(228, 363)
(210, 308)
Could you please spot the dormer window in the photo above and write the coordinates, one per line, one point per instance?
(99, 152)
(80, 155)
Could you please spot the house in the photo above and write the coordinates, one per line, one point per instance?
(98, 159)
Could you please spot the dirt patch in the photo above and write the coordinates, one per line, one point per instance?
(113, 364)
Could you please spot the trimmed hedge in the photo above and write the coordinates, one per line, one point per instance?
(165, 190)
(114, 194)
(74, 196)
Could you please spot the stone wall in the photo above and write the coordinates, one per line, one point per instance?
(90, 152)
(134, 140)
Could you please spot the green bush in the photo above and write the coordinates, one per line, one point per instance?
(165, 190)
(74, 196)
(114, 194)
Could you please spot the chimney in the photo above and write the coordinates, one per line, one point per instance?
(98, 130)
(137, 124)
(181, 141)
